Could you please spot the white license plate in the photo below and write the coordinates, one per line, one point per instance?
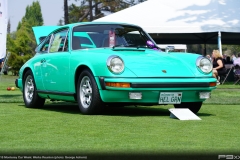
(170, 97)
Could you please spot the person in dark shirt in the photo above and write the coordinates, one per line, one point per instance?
(228, 60)
(218, 64)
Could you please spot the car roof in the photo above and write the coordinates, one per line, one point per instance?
(87, 23)
(43, 31)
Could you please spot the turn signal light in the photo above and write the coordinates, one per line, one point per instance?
(117, 84)
(212, 84)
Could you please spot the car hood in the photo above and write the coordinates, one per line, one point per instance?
(151, 63)
(43, 31)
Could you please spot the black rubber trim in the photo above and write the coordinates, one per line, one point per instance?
(102, 83)
(161, 85)
(56, 93)
(170, 85)
(16, 83)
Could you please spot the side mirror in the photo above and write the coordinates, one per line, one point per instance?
(151, 45)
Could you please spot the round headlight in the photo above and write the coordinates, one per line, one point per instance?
(115, 64)
(204, 64)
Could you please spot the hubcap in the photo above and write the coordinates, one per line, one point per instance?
(85, 92)
(29, 88)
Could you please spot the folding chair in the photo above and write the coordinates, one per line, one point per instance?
(224, 77)
(237, 74)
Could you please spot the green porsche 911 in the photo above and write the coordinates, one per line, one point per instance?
(107, 64)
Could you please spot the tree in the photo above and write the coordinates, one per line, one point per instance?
(60, 22)
(89, 10)
(231, 49)
(74, 13)
(102, 5)
(34, 15)
(66, 21)
(22, 43)
(8, 26)
(25, 41)
(195, 48)
(19, 25)
(226, 49)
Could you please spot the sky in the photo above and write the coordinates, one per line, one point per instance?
(52, 11)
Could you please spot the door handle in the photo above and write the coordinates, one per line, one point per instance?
(43, 60)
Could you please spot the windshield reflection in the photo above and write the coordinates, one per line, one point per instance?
(105, 35)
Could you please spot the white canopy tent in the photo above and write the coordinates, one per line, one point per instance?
(3, 27)
(185, 21)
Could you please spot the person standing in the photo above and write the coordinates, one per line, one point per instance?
(237, 60)
(1, 63)
(218, 64)
(228, 60)
(234, 57)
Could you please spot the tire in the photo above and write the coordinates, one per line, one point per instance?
(88, 97)
(30, 96)
(193, 106)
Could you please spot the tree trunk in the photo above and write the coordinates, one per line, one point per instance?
(66, 21)
(90, 10)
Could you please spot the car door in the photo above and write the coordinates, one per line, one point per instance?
(41, 50)
(55, 64)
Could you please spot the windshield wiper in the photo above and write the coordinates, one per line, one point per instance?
(120, 45)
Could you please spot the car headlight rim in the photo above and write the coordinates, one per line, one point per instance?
(204, 65)
(115, 64)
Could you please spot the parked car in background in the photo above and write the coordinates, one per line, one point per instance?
(97, 64)
(176, 47)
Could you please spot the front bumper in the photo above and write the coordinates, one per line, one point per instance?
(150, 88)
(18, 83)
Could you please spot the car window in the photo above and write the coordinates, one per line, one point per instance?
(65, 48)
(42, 38)
(58, 41)
(45, 44)
(106, 35)
(82, 40)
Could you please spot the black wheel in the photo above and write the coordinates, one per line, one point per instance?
(89, 100)
(30, 96)
(193, 106)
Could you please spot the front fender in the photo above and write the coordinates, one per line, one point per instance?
(33, 64)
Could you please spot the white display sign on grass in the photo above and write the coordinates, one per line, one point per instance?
(183, 114)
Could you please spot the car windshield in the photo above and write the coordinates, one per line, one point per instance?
(105, 35)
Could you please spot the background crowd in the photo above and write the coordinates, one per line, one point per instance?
(220, 61)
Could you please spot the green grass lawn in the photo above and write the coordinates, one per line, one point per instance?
(60, 127)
